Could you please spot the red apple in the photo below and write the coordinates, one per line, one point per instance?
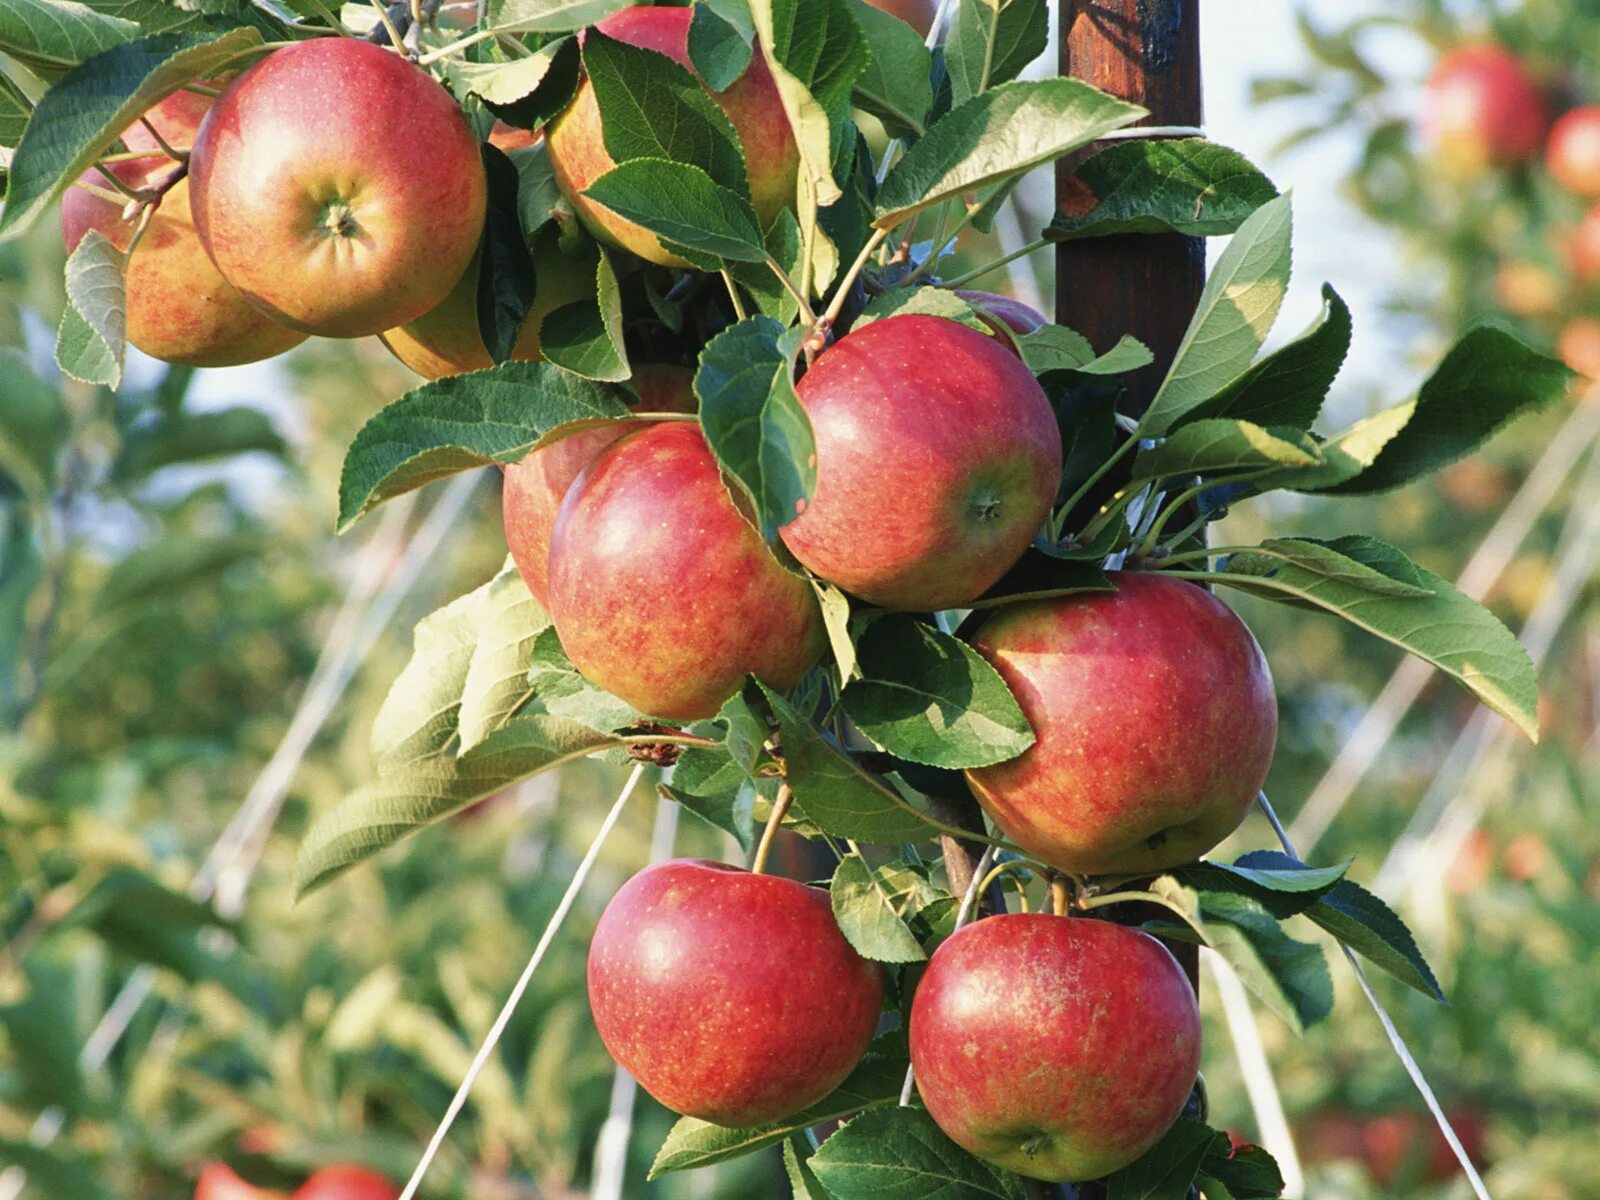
(578, 153)
(662, 593)
(1018, 317)
(729, 996)
(509, 137)
(1155, 719)
(347, 1183)
(219, 1182)
(937, 461)
(1481, 109)
(339, 187)
(179, 309)
(1061, 1048)
(1578, 345)
(445, 340)
(1572, 153)
(916, 13)
(535, 487)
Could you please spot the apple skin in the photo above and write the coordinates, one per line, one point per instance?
(937, 461)
(662, 593)
(578, 153)
(918, 14)
(729, 996)
(338, 187)
(1572, 152)
(445, 340)
(1481, 109)
(1578, 346)
(179, 308)
(1155, 718)
(347, 1183)
(1019, 317)
(219, 1181)
(534, 488)
(1058, 1047)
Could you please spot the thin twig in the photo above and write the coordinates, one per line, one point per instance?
(507, 1010)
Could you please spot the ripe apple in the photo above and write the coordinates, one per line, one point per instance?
(535, 487)
(338, 187)
(179, 309)
(445, 340)
(1572, 153)
(1019, 317)
(219, 1182)
(937, 461)
(578, 153)
(1155, 719)
(661, 592)
(1578, 345)
(1058, 1047)
(729, 996)
(1481, 109)
(916, 13)
(1525, 289)
(509, 137)
(347, 1183)
(1397, 1148)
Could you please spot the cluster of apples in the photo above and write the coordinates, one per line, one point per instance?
(220, 1182)
(1484, 110)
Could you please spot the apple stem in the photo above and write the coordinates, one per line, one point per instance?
(979, 272)
(166, 147)
(1100, 473)
(1060, 895)
(780, 807)
(1090, 903)
(795, 293)
(1013, 864)
(733, 295)
(842, 290)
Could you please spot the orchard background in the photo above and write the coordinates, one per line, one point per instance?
(180, 633)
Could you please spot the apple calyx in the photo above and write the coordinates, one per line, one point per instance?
(339, 220)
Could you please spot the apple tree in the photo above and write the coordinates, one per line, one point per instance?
(801, 528)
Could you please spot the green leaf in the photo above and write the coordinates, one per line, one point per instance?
(1245, 1173)
(507, 624)
(1487, 378)
(1187, 185)
(900, 1154)
(398, 803)
(585, 336)
(1057, 348)
(561, 690)
(15, 109)
(833, 790)
(1289, 976)
(50, 36)
(92, 339)
(926, 301)
(1288, 386)
(506, 281)
(192, 437)
(90, 106)
(991, 41)
(1370, 927)
(681, 205)
(494, 416)
(420, 715)
(1285, 885)
(695, 1143)
(504, 83)
(895, 87)
(930, 698)
(1445, 628)
(550, 16)
(55, 1173)
(1235, 313)
(1220, 446)
(539, 198)
(867, 916)
(710, 784)
(762, 282)
(796, 1165)
(1165, 1171)
(718, 48)
(753, 420)
(33, 426)
(654, 108)
(835, 607)
(993, 136)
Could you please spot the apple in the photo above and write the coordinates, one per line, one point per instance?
(661, 592)
(1572, 153)
(1525, 289)
(938, 457)
(1018, 317)
(508, 137)
(339, 187)
(1578, 345)
(179, 309)
(445, 340)
(918, 14)
(729, 996)
(578, 154)
(219, 1181)
(1061, 1048)
(347, 1183)
(1155, 718)
(1583, 248)
(1397, 1148)
(535, 487)
(1481, 109)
